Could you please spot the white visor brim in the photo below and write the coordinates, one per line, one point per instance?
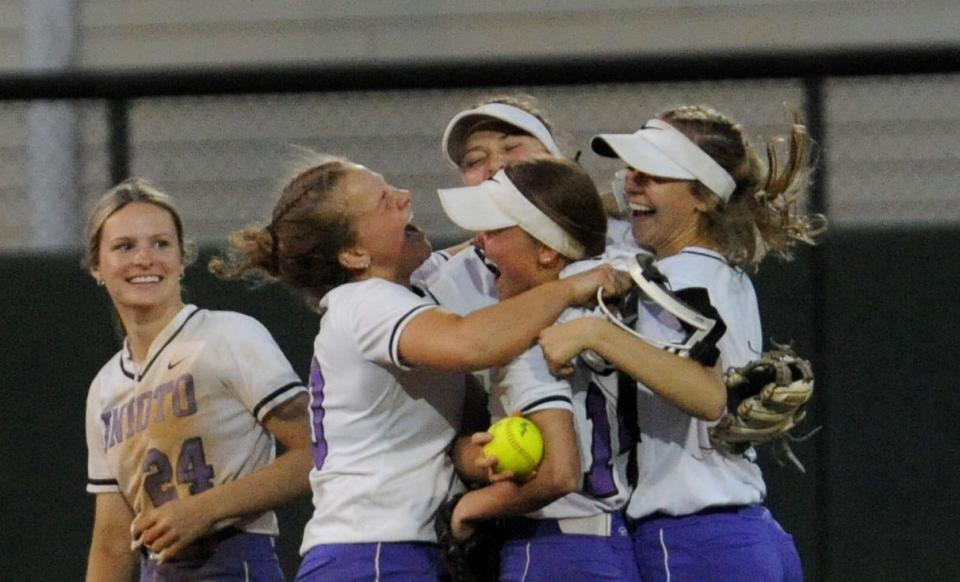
(659, 149)
(455, 134)
(496, 204)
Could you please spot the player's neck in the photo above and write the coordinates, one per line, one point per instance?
(143, 326)
(379, 272)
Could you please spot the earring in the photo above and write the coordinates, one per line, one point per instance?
(100, 283)
(365, 264)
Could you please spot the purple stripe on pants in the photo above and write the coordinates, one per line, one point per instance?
(736, 544)
(385, 561)
(536, 550)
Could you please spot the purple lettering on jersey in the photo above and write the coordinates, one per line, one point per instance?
(159, 394)
(144, 402)
(128, 409)
(598, 481)
(192, 466)
(316, 414)
(116, 426)
(157, 478)
(107, 435)
(184, 392)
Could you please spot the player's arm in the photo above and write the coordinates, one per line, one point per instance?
(697, 390)
(170, 527)
(493, 336)
(111, 559)
(557, 475)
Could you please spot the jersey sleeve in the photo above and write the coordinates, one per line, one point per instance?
(378, 315)
(425, 271)
(463, 284)
(259, 373)
(99, 477)
(526, 385)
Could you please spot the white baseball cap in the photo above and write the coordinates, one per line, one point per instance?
(497, 203)
(659, 149)
(455, 133)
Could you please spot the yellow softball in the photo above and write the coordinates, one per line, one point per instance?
(517, 444)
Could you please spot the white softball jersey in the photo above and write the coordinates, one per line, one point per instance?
(429, 267)
(680, 472)
(382, 429)
(620, 237)
(189, 417)
(526, 385)
(463, 284)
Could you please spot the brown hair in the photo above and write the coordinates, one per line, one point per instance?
(761, 215)
(564, 191)
(300, 244)
(124, 193)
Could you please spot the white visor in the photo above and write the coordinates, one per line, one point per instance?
(659, 149)
(496, 204)
(455, 134)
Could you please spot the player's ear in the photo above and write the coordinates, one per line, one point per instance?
(548, 258)
(95, 273)
(702, 203)
(354, 259)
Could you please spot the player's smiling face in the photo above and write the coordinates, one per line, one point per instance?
(664, 213)
(381, 219)
(140, 260)
(486, 152)
(516, 256)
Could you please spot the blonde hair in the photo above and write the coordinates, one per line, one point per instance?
(124, 193)
(761, 215)
(300, 244)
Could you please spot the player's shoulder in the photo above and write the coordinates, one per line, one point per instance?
(109, 381)
(469, 259)
(112, 367)
(582, 265)
(696, 266)
(372, 290)
(370, 299)
(230, 324)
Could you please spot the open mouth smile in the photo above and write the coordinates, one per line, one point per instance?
(145, 279)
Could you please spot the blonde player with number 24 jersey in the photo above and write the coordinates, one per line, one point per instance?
(182, 423)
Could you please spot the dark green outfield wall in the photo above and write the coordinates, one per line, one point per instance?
(877, 312)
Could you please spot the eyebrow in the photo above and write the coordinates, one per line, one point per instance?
(149, 236)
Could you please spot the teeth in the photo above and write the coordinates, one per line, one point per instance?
(146, 279)
(635, 207)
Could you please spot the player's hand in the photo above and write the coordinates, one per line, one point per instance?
(486, 463)
(167, 529)
(584, 285)
(564, 342)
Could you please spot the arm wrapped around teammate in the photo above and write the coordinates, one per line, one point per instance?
(474, 559)
(768, 397)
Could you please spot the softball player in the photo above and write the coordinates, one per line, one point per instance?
(572, 526)
(479, 142)
(383, 415)
(181, 424)
(700, 197)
